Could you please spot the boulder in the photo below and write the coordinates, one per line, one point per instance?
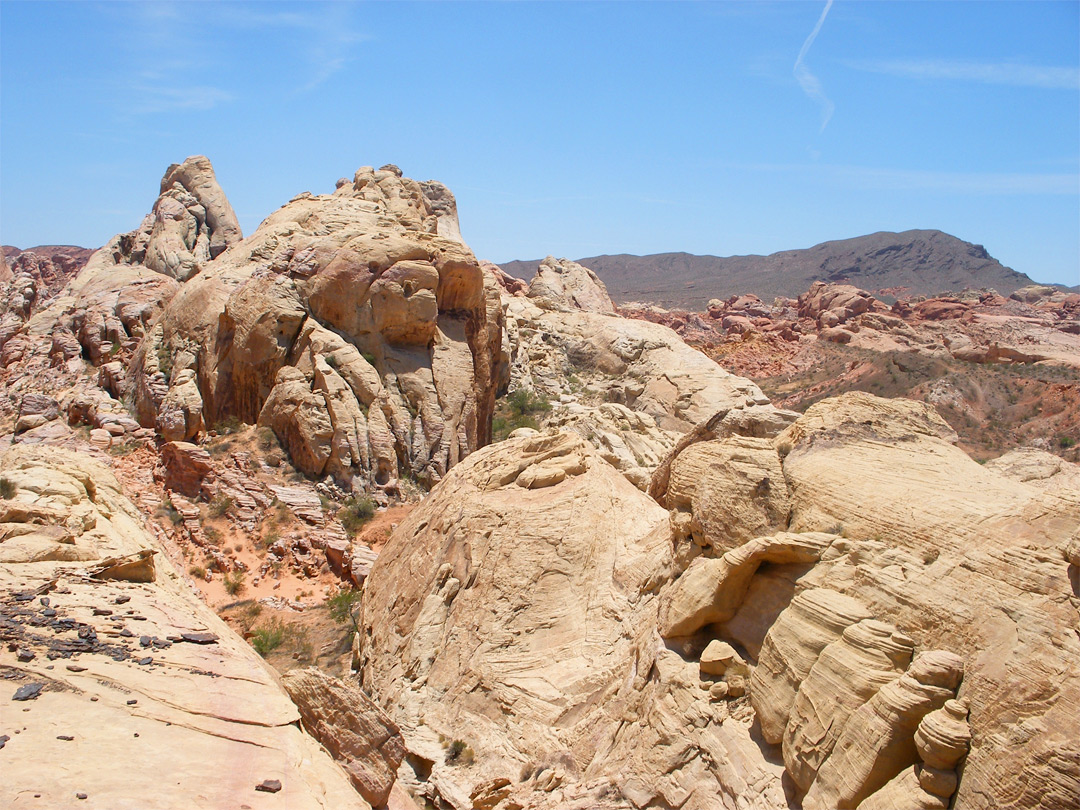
(355, 731)
(563, 284)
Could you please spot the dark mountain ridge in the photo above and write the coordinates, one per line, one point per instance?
(916, 262)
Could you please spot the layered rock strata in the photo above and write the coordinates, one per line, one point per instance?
(356, 325)
(139, 695)
(630, 388)
(896, 623)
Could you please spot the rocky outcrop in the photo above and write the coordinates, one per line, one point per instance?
(563, 284)
(900, 630)
(356, 325)
(52, 342)
(522, 598)
(123, 287)
(930, 541)
(629, 388)
(354, 730)
(126, 670)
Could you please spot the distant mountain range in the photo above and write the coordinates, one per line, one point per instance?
(79, 254)
(918, 262)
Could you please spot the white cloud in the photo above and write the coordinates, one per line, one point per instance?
(807, 80)
(1001, 73)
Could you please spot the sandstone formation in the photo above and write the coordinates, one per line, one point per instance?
(514, 613)
(563, 284)
(663, 591)
(1003, 371)
(901, 618)
(352, 728)
(356, 325)
(628, 387)
(102, 315)
(143, 696)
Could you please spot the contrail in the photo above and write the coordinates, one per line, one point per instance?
(807, 80)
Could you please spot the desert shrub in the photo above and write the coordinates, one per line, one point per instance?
(197, 571)
(282, 513)
(519, 410)
(355, 512)
(266, 439)
(220, 504)
(268, 637)
(230, 424)
(332, 361)
(213, 535)
(164, 361)
(458, 752)
(1065, 442)
(7, 489)
(234, 583)
(524, 402)
(344, 606)
(219, 448)
(270, 538)
(168, 510)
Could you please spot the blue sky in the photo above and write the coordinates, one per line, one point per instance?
(564, 128)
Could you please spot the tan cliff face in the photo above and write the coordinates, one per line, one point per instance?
(365, 339)
(868, 575)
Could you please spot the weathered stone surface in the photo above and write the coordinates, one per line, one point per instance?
(354, 730)
(846, 675)
(563, 284)
(357, 325)
(523, 623)
(815, 618)
(878, 741)
(630, 388)
(186, 467)
(192, 706)
(732, 490)
(712, 588)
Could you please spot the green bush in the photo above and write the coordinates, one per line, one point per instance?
(524, 402)
(344, 606)
(268, 638)
(164, 361)
(230, 424)
(519, 410)
(1065, 442)
(220, 504)
(168, 509)
(267, 439)
(355, 512)
(234, 583)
